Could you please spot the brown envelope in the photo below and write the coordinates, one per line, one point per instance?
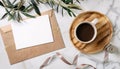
(16, 56)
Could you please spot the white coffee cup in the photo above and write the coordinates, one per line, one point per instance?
(86, 31)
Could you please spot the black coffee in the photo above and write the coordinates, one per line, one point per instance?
(85, 32)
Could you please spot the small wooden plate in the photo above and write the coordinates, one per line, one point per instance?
(104, 32)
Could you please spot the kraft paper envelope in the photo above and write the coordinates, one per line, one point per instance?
(16, 56)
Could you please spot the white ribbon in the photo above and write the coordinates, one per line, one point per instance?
(99, 65)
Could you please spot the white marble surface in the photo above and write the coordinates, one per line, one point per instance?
(110, 8)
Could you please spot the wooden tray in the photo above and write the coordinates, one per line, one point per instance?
(104, 32)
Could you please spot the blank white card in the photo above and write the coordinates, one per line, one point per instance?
(31, 32)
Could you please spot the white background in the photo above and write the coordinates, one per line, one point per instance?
(64, 24)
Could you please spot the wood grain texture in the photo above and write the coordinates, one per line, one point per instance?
(104, 32)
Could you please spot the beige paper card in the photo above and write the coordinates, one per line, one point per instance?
(16, 56)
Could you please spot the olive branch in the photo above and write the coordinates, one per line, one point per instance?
(15, 9)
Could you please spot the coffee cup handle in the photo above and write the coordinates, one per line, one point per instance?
(94, 21)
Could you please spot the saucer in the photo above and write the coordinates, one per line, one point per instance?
(104, 32)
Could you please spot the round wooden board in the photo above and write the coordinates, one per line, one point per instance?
(104, 32)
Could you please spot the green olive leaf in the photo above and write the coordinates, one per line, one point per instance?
(37, 1)
(62, 12)
(28, 8)
(20, 4)
(1, 4)
(28, 15)
(19, 18)
(4, 2)
(14, 16)
(4, 15)
(9, 4)
(78, 1)
(68, 1)
(73, 14)
(52, 3)
(49, 3)
(35, 7)
(69, 11)
(10, 15)
(14, 1)
(57, 8)
(74, 6)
